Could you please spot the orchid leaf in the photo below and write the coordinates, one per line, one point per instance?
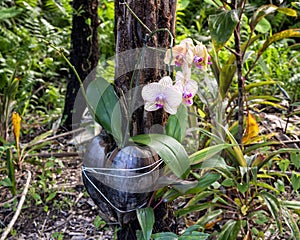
(169, 149)
(177, 124)
(104, 106)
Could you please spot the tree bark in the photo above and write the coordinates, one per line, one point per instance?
(84, 53)
(131, 34)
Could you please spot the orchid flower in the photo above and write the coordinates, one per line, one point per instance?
(181, 54)
(187, 87)
(201, 58)
(162, 94)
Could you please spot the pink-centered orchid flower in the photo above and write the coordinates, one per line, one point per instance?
(201, 58)
(162, 94)
(187, 87)
(181, 54)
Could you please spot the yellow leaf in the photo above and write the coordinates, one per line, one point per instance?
(252, 129)
(16, 120)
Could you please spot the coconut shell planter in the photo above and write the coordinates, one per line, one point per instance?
(119, 180)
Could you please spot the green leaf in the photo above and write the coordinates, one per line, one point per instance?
(226, 75)
(169, 149)
(216, 3)
(209, 216)
(243, 187)
(193, 208)
(263, 26)
(51, 196)
(192, 234)
(295, 179)
(292, 204)
(228, 182)
(296, 5)
(279, 36)
(230, 230)
(195, 187)
(6, 13)
(288, 11)
(260, 13)
(207, 153)
(200, 196)
(165, 236)
(295, 158)
(274, 153)
(284, 164)
(104, 106)
(177, 124)
(291, 222)
(273, 206)
(222, 26)
(146, 220)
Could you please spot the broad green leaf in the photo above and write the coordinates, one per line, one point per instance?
(273, 206)
(254, 85)
(263, 26)
(146, 220)
(164, 236)
(279, 36)
(182, 4)
(193, 208)
(177, 124)
(260, 13)
(207, 153)
(216, 3)
(243, 187)
(209, 216)
(195, 187)
(169, 149)
(287, 11)
(6, 13)
(266, 186)
(51, 196)
(295, 179)
(222, 26)
(104, 106)
(226, 75)
(230, 230)
(237, 152)
(295, 158)
(193, 235)
(200, 196)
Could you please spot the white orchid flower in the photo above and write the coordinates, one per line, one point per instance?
(162, 94)
(187, 87)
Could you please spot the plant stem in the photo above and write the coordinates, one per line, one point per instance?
(239, 62)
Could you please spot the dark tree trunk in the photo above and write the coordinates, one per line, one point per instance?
(130, 34)
(84, 53)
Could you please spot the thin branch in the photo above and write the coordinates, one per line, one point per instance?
(56, 155)
(18, 211)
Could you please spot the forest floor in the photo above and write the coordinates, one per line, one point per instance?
(71, 214)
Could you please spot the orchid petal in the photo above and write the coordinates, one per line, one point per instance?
(151, 91)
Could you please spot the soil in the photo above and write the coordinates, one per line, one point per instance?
(71, 213)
